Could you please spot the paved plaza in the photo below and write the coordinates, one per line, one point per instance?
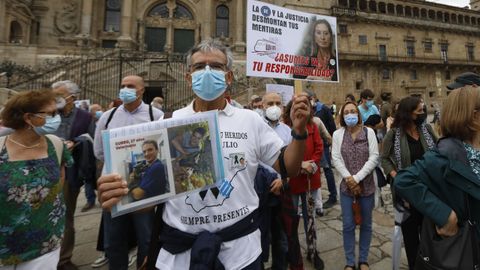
(330, 242)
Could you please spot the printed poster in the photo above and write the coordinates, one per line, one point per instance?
(289, 44)
(285, 91)
(164, 159)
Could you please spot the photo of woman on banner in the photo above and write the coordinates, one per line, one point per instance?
(319, 46)
(148, 178)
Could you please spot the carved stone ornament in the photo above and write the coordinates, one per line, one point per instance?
(66, 20)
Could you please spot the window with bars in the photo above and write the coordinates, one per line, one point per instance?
(410, 48)
(113, 14)
(222, 19)
(343, 29)
(444, 52)
(413, 75)
(362, 39)
(382, 52)
(386, 74)
(470, 53)
(427, 45)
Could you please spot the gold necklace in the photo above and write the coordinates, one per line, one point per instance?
(23, 145)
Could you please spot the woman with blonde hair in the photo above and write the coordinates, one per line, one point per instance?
(446, 181)
(31, 165)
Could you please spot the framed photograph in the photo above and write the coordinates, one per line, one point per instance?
(164, 159)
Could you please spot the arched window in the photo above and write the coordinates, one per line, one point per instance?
(416, 12)
(353, 4)
(431, 14)
(372, 5)
(460, 19)
(399, 10)
(439, 16)
(467, 20)
(454, 18)
(363, 5)
(160, 10)
(181, 12)
(423, 13)
(222, 21)
(408, 11)
(391, 8)
(16, 33)
(382, 7)
(113, 14)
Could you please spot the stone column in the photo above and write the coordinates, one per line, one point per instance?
(240, 14)
(87, 11)
(125, 40)
(4, 28)
(84, 38)
(208, 16)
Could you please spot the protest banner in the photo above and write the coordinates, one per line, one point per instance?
(289, 44)
(285, 91)
(164, 159)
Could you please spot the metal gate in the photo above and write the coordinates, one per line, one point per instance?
(99, 75)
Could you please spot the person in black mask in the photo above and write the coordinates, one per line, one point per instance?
(407, 141)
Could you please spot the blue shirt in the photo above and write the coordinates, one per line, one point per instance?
(283, 131)
(367, 112)
(154, 182)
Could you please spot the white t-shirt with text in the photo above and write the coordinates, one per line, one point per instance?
(246, 140)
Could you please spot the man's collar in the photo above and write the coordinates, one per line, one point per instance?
(228, 110)
(136, 109)
(271, 124)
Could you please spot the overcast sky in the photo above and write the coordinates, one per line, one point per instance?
(457, 3)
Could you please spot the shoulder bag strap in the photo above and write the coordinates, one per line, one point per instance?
(58, 145)
(150, 111)
(110, 117)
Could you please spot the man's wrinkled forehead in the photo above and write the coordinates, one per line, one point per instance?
(213, 55)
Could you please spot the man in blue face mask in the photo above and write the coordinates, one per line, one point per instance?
(229, 212)
(367, 107)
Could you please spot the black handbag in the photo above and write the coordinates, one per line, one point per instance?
(457, 252)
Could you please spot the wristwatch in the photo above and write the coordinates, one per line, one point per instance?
(299, 137)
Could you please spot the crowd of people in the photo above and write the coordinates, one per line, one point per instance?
(49, 148)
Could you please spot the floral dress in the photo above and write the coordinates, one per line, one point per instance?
(32, 211)
(473, 156)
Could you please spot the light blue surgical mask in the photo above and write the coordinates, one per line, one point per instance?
(351, 119)
(51, 125)
(98, 114)
(369, 103)
(208, 84)
(128, 95)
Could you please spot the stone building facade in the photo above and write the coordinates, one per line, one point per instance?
(399, 46)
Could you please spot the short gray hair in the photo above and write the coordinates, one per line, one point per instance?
(69, 85)
(209, 45)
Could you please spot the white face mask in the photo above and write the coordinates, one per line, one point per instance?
(273, 113)
(259, 111)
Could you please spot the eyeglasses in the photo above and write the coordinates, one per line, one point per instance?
(212, 65)
(46, 114)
